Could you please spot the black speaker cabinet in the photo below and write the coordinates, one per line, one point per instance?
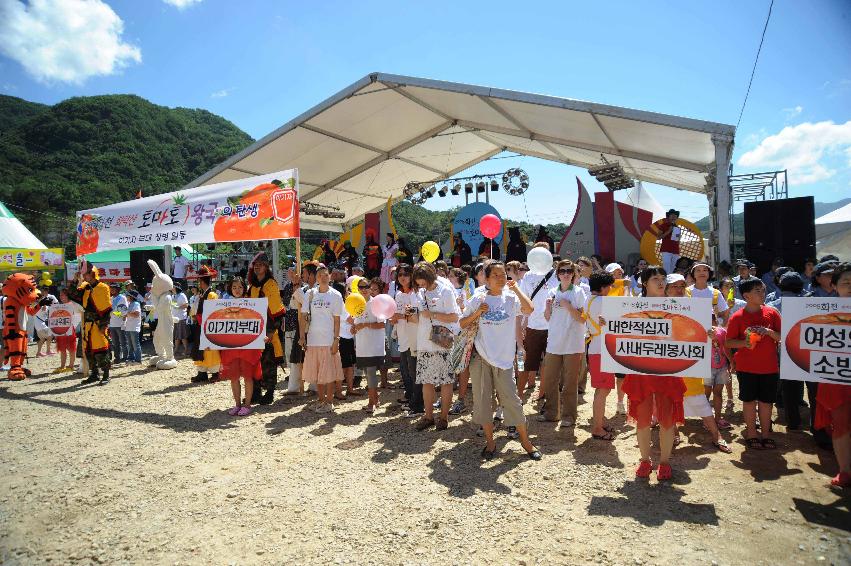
(140, 271)
(782, 228)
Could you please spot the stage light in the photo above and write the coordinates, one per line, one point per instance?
(456, 190)
(468, 188)
(494, 185)
(480, 187)
(515, 181)
(432, 190)
(444, 190)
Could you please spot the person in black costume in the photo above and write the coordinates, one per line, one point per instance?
(516, 250)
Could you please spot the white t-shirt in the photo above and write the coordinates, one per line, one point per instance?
(119, 304)
(497, 336)
(133, 323)
(179, 265)
(369, 342)
(707, 293)
(440, 300)
(323, 307)
(345, 327)
(406, 332)
(528, 285)
(179, 311)
(594, 307)
(566, 334)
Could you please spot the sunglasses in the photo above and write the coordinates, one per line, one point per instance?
(565, 271)
(523, 269)
(363, 286)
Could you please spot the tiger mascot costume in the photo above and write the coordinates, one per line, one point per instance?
(20, 301)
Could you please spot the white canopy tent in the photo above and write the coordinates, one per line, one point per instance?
(364, 144)
(13, 233)
(833, 232)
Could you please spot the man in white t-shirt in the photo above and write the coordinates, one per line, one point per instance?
(319, 328)
(534, 333)
(116, 324)
(132, 327)
(178, 311)
(702, 273)
(179, 266)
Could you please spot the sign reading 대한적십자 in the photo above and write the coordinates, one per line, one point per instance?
(657, 336)
(815, 339)
(234, 323)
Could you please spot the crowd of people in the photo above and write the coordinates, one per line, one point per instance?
(525, 330)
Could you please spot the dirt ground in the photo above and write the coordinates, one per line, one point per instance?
(151, 470)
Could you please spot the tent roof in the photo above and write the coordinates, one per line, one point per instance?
(13, 233)
(834, 222)
(362, 145)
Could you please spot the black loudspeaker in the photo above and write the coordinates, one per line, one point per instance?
(140, 271)
(782, 228)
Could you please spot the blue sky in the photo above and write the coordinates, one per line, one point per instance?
(260, 63)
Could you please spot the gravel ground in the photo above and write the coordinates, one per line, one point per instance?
(151, 470)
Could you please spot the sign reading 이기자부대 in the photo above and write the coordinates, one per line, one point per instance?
(656, 336)
(816, 339)
(234, 323)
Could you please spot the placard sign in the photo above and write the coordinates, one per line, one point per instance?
(657, 336)
(816, 339)
(60, 319)
(234, 323)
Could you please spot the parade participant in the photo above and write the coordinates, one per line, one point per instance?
(348, 356)
(319, 328)
(743, 271)
(437, 324)
(406, 333)
(241, 362)
(179, 267)
(603, 382)
(635, 278)
(42, 331)
(390, 260)
(261, 283)
(369, 345)
(93, 296)
(662, 392)
(668, 231)
(349, 255)
(489, 249)
(702, 273)
(822, 277)
(545, 238)
(536, 287)
(565, 314)
(621, 287)
(496, 309)
(516, 248)
(293, 297)
(133, 327)
(328, 255)
(833, 400)
(180, 312)
(755, 331)
(67, 345)
(116, 324)
(404, 254)
(206, 361)
(20, 294)
(372, 257)
(461, 252)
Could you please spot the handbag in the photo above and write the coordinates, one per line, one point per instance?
(440, 335)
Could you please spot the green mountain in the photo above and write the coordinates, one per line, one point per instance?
(90, 151)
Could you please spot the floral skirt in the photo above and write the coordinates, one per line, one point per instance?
(433, 368)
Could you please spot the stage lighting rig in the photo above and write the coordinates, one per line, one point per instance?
(514, 181)
(611, 175)
(323, 210)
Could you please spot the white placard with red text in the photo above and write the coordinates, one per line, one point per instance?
(815, 338)
(60, 319)
(662, 337)
(234, 324)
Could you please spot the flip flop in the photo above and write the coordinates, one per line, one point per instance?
(754, 443)
(608, 436)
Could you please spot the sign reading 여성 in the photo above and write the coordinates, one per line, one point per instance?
(234, 323)
(656, 336)
(815, 338)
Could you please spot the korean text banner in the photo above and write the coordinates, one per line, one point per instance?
(234, 323)
(258, 208)
(815, 338)
(110, 272)
(10, 258)
(657, 336)
(60, 320)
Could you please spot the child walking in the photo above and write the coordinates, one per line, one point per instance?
(240, 362)
(67, 345)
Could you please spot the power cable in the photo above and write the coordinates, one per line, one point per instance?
(756, 60)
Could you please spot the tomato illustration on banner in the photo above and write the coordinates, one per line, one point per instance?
(60, 320)
(816, 339)
(657, 336)
(234, 323)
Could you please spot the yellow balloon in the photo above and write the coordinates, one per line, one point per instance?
(47, 282)
(355, 282)
(430, 251)
(355, 304)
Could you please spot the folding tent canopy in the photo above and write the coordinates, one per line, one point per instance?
(13, 233)
(362, 145)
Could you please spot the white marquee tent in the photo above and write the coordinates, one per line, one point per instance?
(364, 144)
(13, 234)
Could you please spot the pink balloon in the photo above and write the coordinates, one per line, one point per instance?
(382, 307)
(490, 226)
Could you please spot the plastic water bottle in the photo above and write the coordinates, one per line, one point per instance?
(521, 360)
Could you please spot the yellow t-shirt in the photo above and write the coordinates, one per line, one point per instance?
(694, 386)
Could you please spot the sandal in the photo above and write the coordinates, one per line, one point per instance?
(488, 454)
(722, 446)
(664, 472)
(233, 410)
(424, 424)
(754, 443)
(244, 411)
(768, 443)
(644, 469)
(677, 440)
(607, 436)
(534, 455)
(442, 424)
(842, 479)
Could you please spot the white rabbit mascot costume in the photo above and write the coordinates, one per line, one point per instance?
(161, 287)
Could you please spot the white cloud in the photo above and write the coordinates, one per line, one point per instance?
(64, 40)
(222, 93)
(792, 113)
(807, 150)
(182, 4)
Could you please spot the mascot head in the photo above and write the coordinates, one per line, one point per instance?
(161, 283)
(21, 288)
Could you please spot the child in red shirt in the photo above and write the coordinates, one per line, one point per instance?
(755, 331)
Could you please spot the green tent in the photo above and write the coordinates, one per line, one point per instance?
(111, 256)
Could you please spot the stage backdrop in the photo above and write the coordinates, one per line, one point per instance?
(257, 208)
(467, 222)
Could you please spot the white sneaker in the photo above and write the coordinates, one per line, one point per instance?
(499, 414)
(621, 408)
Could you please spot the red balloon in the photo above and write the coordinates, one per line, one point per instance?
(490, 225)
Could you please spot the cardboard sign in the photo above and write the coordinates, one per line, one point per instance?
(815, 338)
(657, 336)
(60, 320)
(234, 324)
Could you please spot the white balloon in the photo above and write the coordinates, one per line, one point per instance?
(540, 261)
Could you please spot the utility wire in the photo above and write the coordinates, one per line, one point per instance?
(756, 60)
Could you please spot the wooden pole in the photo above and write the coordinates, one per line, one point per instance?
(298, 254)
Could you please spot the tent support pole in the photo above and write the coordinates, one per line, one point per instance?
(276, 262)
(298, 254)
(167, 259)
(723, 150)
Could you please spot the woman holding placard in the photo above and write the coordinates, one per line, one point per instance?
(662, 392)
(238, 362)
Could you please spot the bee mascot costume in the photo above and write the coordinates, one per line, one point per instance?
(161, 287)
(20, 294)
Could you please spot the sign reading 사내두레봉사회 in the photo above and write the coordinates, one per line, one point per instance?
(657, 336)
(815, 339)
